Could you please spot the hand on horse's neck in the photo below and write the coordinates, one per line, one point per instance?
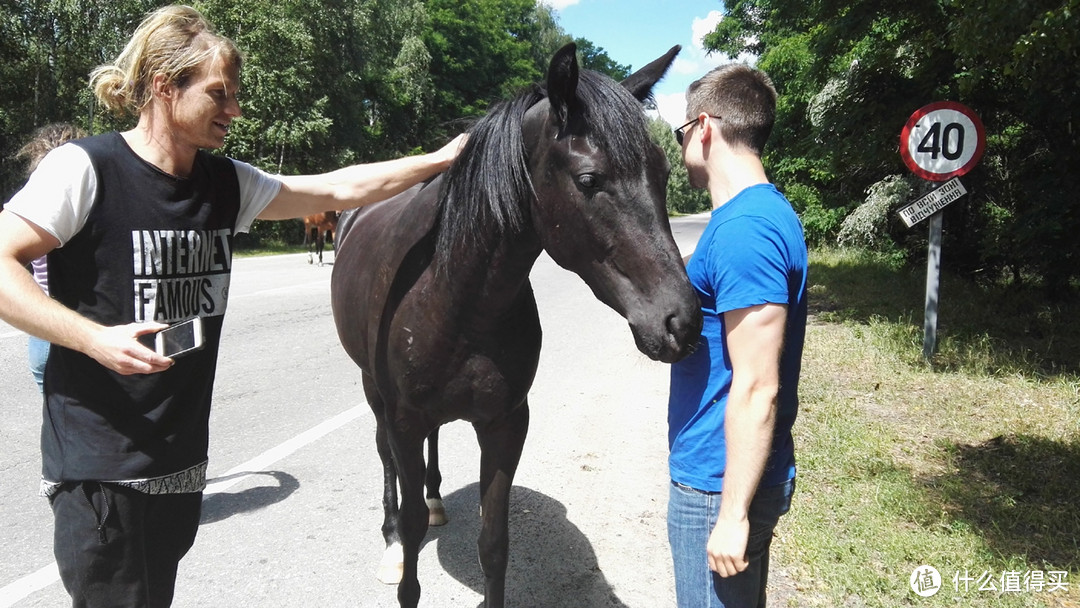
(732, 174)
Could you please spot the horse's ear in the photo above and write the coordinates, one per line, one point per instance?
(562, 81)
(641, 83)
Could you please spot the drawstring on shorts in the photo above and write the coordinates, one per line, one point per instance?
(104, 515)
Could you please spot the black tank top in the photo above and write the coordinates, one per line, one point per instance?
(154, 248)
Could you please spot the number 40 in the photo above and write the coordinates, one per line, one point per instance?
(949, 142)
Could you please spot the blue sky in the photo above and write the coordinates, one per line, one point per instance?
(634, 32)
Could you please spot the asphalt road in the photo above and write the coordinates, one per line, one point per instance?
(293, 507)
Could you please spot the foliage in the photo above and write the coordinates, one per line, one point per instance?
(325, 82)
(850, 72)
(592, 57)
(479, 53)
(870, 223)
(283, 125)
(47, 50)
(681, 197)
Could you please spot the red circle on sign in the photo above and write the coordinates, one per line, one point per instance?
(919, 164)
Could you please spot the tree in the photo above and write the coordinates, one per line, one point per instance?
(1021, 61)
(550, 37)
(284, 124)
(592, 57)
(681, 197)
(850, 72)
(47, 50)
(325, 82)
(480, 52)
(487, 50)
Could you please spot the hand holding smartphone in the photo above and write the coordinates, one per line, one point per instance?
(177, 339)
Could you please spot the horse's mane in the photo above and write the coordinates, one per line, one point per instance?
(487, 184)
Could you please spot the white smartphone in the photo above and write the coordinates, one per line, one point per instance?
(179, 338)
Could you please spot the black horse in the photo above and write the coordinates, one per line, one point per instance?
(431, 291)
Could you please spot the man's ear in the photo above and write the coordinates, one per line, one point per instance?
(709, 129)
(161, 87)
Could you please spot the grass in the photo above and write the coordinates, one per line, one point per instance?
(969, 462)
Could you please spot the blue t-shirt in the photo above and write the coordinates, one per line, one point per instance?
(752, 252)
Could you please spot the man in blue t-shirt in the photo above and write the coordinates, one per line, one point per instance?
(733, 402)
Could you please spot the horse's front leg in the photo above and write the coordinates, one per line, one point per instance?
(500, 452)
(413, 514)
(433, 482)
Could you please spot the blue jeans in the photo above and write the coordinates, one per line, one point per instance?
(38, 351)
(691, 517)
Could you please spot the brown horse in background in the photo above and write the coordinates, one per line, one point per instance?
(316, 227)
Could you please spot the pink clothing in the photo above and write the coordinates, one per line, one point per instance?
(41, 273)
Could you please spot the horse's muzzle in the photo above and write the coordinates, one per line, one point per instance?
(673, 339)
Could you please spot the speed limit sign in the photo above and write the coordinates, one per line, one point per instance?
(942, 140)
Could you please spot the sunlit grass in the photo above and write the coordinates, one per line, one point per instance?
(969, 462)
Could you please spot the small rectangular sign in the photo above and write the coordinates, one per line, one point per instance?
(932, 202)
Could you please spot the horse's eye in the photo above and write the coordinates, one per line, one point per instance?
(588, 181)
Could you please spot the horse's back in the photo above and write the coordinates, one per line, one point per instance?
(374, 244)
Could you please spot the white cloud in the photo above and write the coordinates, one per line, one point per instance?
(559, 4)
(690, 67)
(692, 63)
(704, 25)
(696, 54)
(672, 108)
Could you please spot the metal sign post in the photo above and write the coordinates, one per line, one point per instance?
(940, 142)
(933, 274)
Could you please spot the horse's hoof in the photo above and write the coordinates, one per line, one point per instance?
(392, 567)
(436, 512)
(391, 574)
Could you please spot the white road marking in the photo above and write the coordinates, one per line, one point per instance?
(31, 583)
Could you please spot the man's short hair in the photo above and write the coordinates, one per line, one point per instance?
(744, 100)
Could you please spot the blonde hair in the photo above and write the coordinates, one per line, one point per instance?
(744, 100)
(172, 41)
(45, 139)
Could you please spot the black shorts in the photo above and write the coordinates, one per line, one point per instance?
(116, 546)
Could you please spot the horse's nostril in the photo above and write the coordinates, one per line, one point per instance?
(682, 332)
(672, 325)
(679, 327)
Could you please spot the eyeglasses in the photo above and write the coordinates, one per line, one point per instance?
(681, 131)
